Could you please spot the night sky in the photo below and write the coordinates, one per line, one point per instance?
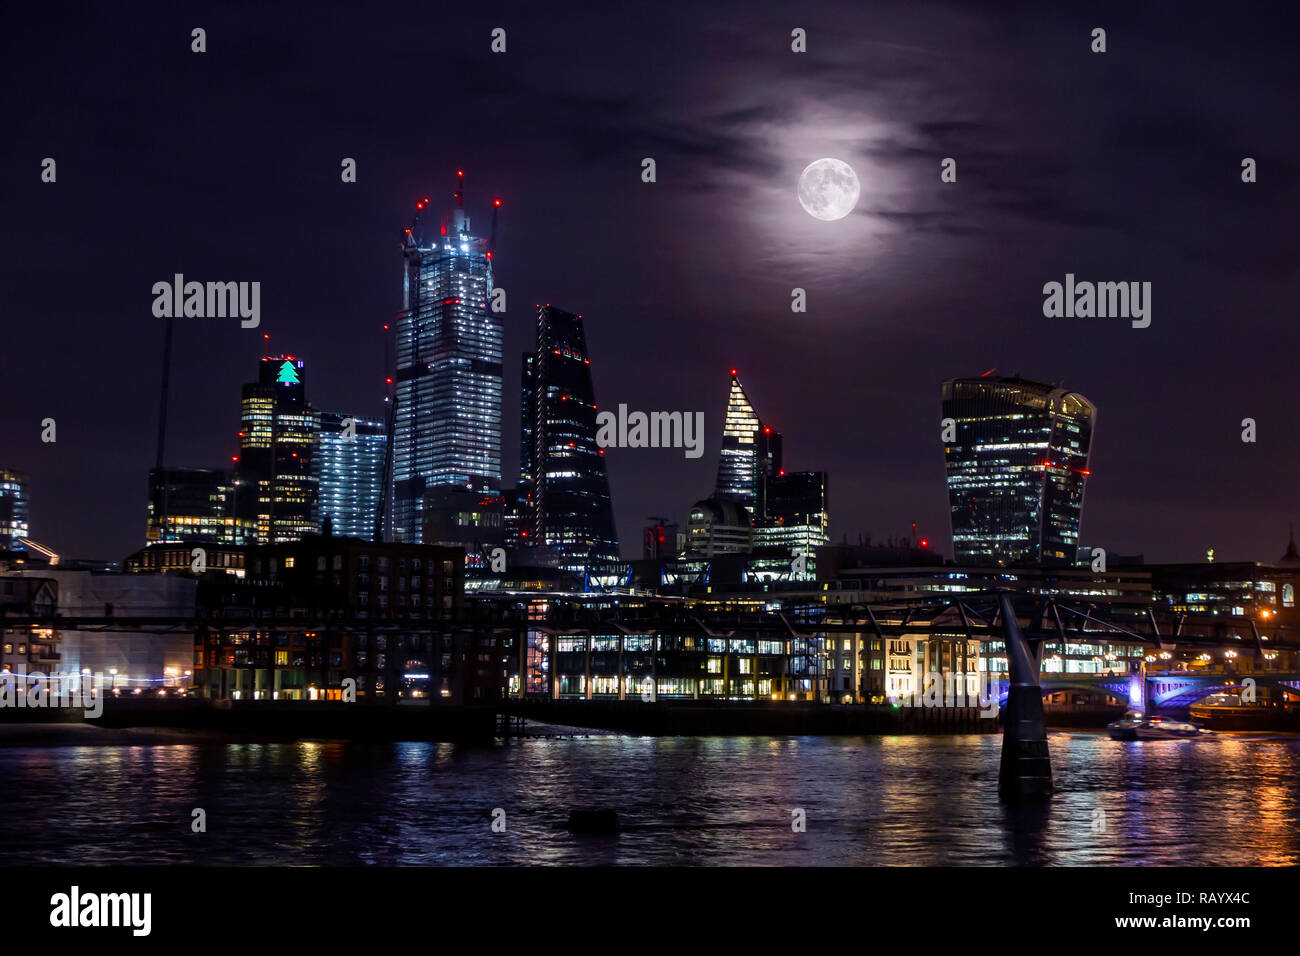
(1123, 166)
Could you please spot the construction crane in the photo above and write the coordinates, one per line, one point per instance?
(411, 236)
(492, 235)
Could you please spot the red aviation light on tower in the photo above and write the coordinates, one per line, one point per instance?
(733, 373)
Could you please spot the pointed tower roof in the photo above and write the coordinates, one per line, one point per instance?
(1291, 556)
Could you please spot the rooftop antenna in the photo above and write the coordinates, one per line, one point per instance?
(460, 187)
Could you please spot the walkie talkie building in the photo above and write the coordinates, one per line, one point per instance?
(1016, 466)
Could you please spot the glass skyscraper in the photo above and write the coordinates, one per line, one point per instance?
(195, 504)
(751, 451)
(796, 512)
(448, 376)
(13, 510)
(571, 510)
(278, 438)
(1016, 468)
(351, 475)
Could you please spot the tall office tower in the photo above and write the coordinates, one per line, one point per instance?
(571, 508)
(516, 519)
(798, 512)
(448, 379)
(350, 466)
(195, 504)
(526, 400)
(13, 510)
(1016, 465)
(751, 451)
(278, 438)
(519, 512)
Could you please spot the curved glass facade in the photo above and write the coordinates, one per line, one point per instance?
(571, 505)
(1016, 469)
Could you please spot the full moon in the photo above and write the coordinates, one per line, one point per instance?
(828, 189)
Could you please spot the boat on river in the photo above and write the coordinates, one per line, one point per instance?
(1135, 725)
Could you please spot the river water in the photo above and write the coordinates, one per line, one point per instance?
(709, 801)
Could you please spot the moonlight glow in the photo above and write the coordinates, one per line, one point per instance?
(828, 189)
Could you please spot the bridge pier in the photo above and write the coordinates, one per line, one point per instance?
(1026, 771)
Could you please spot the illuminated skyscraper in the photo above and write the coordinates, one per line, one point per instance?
(571, 508)
(278, 437)
(351, 474)
(1016, 467)
(718, 526)
(448, 380)
(195, 504)
(751, 451)
(13, 510)
(797, 512)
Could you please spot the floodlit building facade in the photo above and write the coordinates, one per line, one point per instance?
(278, 437)
(570, 503)
(798, 513)
(716, 527)
(751, 452)
(195, 504)
(351, 474)
(13, 510)
(448, 376)
(1016, 457)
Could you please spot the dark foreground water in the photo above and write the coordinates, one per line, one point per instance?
(715, 801)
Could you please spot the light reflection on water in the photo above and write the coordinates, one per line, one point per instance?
(712, 801)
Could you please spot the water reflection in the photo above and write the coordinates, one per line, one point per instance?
(711, 801)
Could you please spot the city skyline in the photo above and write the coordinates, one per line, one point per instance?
(938, 283)
(594, 437)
